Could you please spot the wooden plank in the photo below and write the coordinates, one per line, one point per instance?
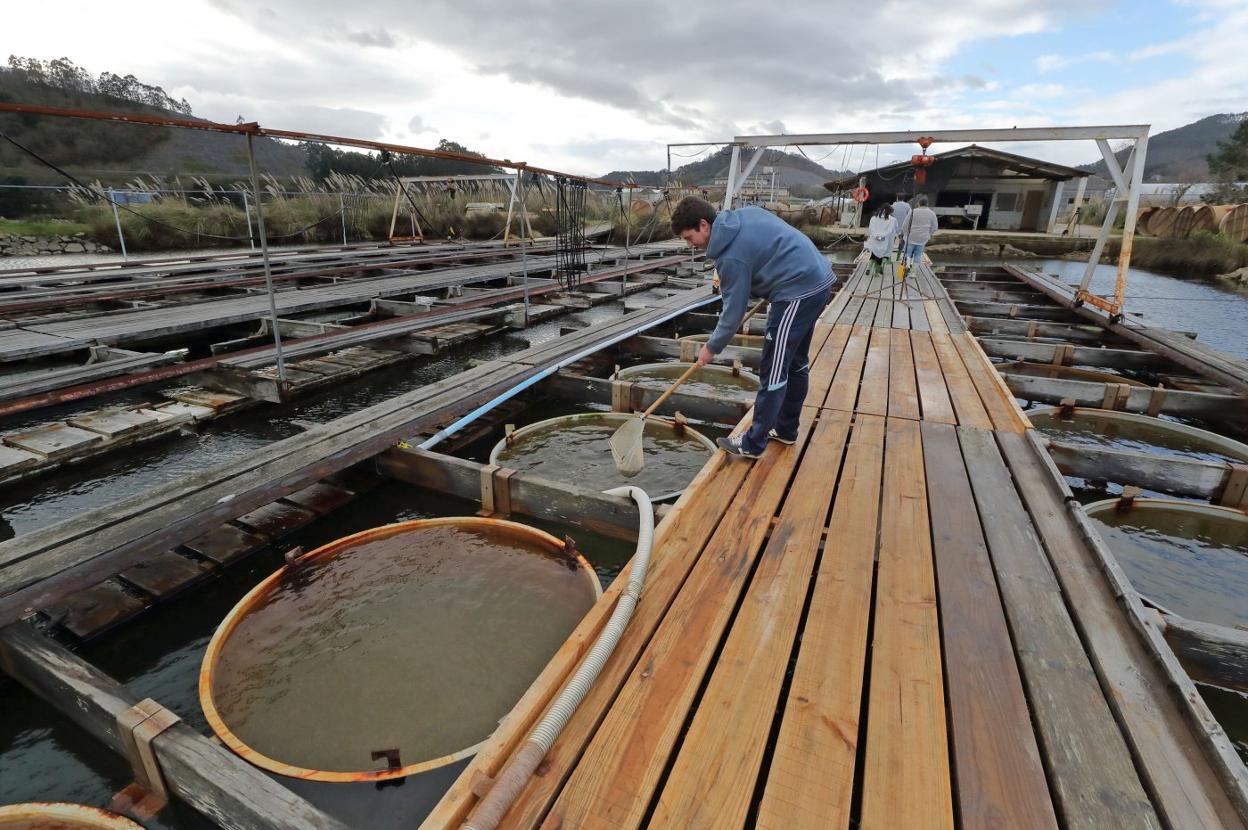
(997, 767)
(825, 360)
(1079, 355)
(918, 308)
(276, 519)
(935, 320)
(216, 782)
(811, 778)
(873, 396)
(1218, 408)
(615, 779)
(966, 403)
(321, 498)
(997, 400)
(712, 781)
(903, 393)
(933, 394)
(225, 544)
(166, 574)
(907, 748)
(1150, 471)
(679, 541)
(843, 393)
(94, 611)
(1092, 776)
(1185, 787)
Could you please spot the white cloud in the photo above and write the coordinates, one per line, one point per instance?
(1049, 63)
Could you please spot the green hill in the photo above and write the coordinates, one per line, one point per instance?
(1178, 155)
(793, 171)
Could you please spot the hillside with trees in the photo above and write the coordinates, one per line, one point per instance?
(802, 176)
(1181, 154)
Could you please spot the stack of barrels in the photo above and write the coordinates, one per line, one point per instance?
(1181, 222)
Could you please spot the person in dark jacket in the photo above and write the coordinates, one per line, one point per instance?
(759, 255)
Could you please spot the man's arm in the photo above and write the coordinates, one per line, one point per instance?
(734, 288)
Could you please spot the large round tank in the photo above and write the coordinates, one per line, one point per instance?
(710, 380)
(392, 651)
(1048, 370)
(745, 341)
(1188, 558)
(577, 449)
(39, 815)
(1141, 433)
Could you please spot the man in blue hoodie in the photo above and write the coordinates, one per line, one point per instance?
(759, 255)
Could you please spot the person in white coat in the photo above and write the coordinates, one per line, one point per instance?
(901, 215)
(922, 227)
(881, 237)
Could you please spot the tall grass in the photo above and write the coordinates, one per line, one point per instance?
(1203, 254)
(214, 216)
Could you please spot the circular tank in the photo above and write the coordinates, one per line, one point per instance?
(1141, 433)
(59, 816)
(745, 341)
(1188, 558)
(710, 380)
(1048, 370)
(577, 449)
(393, 651)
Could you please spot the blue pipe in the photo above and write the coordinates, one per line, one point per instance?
(446, 432)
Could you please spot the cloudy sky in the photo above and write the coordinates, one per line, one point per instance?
(590, 87)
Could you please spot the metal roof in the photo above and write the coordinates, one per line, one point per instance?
(1008, 161)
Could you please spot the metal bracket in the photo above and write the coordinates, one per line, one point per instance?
(137, 727)
(1235, 493)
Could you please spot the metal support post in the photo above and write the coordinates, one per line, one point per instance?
(251, 236)
(732, 176)
(268, 270)
(121, 237)
(1135, 171)
(342, 213)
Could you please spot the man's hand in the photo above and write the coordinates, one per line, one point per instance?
(705, 356)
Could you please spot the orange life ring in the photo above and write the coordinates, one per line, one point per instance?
(861, 193)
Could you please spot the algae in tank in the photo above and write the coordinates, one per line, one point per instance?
(417, 641)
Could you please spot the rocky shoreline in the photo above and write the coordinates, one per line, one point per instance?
(22, 245)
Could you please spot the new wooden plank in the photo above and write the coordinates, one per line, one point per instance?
(1000, 780)
(933, 394)
(873, 395)
(1185, 787)
(906, 779)
(966, 403)
(827, 347)
(615, 779)
(901, 308)
(903, 393)
(811, 777)
(1090, 771)
(1002, 408)
(918, 307)
(679, 542)
(712, 781)
(843, 393)
(935, 320)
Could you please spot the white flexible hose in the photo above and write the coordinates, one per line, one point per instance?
(512, 779)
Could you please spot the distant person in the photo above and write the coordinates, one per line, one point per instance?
(922, 227)
(901, 214)
(757, 254)
(881, 239)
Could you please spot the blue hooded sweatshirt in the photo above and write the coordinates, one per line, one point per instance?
(757, 254)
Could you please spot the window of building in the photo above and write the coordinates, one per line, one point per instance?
(1007, 202)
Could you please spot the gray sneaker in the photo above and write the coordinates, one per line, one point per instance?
(775, 436)
(732, 446)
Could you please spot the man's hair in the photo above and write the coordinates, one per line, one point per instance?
(689, 211)
(922, 201)
(901, 197)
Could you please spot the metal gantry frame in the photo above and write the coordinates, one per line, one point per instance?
(512, 180)
(1127, 178)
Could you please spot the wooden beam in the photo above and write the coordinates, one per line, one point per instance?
(1210, 653)
(667, 347)
(1078, 356)
(1005, 327)
(201, 772)
(1164, 473)
(1216, 408)
(1014, 311)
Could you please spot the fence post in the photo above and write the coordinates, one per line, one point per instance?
(268, 271)
(342, 212)
(251, 237)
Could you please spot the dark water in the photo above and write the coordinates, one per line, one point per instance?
(1192, 563)
(1088, 430)
(419, 641)
(579, 452)
(1231, 709)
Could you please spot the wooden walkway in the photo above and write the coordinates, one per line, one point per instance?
(899, 622)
